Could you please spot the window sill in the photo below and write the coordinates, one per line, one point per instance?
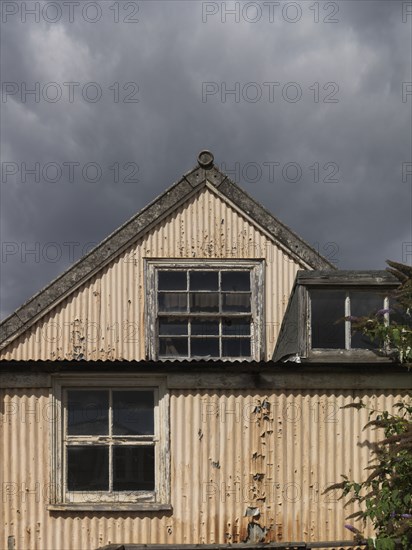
(110, 507)
(341, 355)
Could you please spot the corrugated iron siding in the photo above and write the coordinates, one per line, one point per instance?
(104, 319)
(219, 441)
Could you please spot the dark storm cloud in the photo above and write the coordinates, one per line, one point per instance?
(171, 53)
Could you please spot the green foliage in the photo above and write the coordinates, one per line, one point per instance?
(385, 497)
(381, 544)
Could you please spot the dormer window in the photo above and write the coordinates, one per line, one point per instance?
(332, 312)
(323, 310)
(205, 309)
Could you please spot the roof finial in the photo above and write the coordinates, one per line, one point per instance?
(205, 159)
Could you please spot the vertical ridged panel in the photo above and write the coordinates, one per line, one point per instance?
(228, 453)
(104, 319)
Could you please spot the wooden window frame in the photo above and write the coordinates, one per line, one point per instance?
(60, 497)
(256, 267)
(346, 312)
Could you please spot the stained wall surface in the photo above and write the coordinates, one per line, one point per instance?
(104, 318)
(230, 451)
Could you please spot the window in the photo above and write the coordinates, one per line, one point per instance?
(331, 311)
(205, 310)
(110, 443)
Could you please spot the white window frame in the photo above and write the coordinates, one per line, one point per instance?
(256, 267)
(346, 312)
(60, 497)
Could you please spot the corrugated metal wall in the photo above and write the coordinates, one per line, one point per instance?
(104, 319)
(225, 456)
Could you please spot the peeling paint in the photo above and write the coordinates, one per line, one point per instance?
(208, 505)
(252, 511)
(255, 533)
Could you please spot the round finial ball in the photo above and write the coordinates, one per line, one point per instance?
(205, 159)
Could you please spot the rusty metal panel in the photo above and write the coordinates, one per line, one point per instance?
(104, 318)
(237, 460)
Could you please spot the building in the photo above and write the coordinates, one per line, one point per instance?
(183, 384)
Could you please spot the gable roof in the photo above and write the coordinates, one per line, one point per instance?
(206, 174)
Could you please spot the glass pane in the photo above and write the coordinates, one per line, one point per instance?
(361, 304)
(206, 303)
(88, 468)
(172, 301)
(172, 280)
(133, 468)
(172, 326)
(205, 327)
(236, 302)
(328, 313)
(204, 280)
(365, 303)
(133, 412)
(361, 341)
(236, 327)
(235, 280)
(88, 412)
(173, 347)
(236, 347)
(204, 346)
(398, 314)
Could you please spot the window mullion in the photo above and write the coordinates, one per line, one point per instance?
(220, 337)
(189, 337)
(189, 321)
(386, 320)
(386, 308)
(220, 290)
(187, 291)
(347, 322)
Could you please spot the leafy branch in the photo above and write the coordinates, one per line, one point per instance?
(385, 497)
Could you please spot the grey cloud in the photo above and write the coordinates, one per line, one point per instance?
(169, 53)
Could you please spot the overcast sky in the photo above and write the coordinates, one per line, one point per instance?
(306, 104)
